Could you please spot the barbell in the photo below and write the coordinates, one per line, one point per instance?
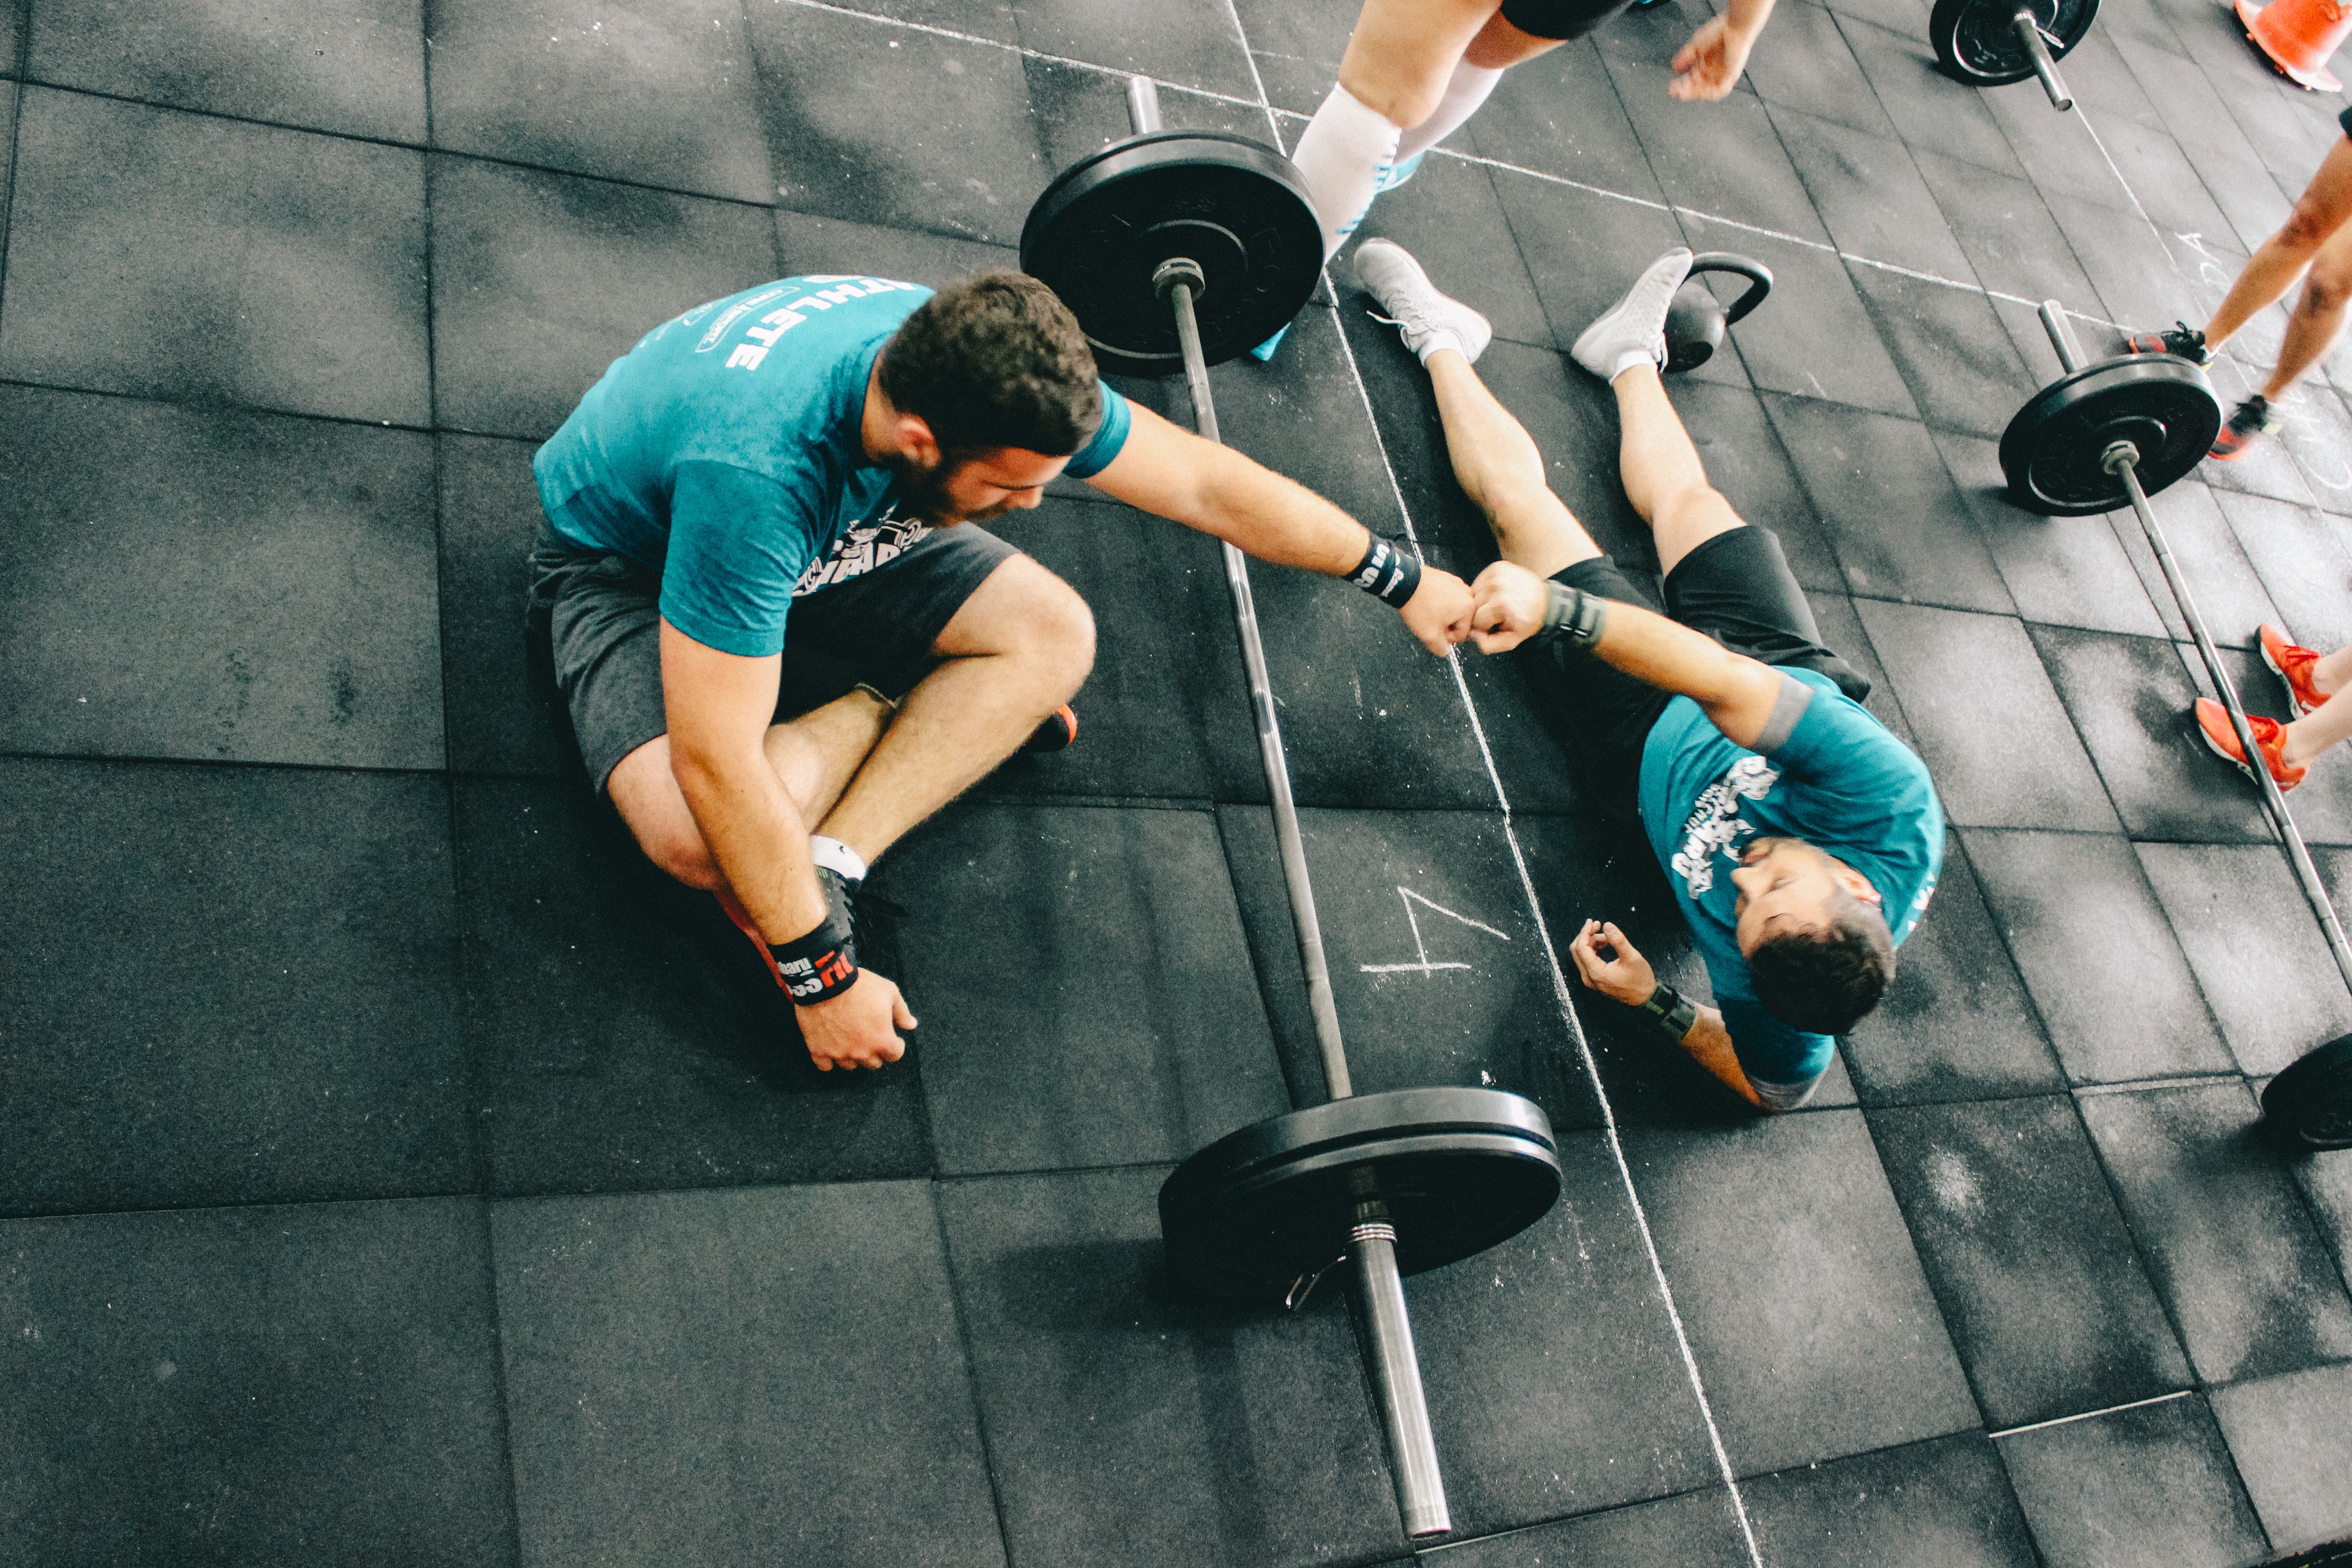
(2111, 435)
(1989, 43)
(1178, 248)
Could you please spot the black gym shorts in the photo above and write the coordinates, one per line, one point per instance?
(601, 615)
(1738, 589)
(1560, 18)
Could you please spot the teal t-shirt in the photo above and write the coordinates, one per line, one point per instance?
(724, 451)
(1837, 780)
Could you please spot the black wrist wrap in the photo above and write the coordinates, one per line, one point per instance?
(820, 966)
(1388, 572)
(1579, 614)
(1672, 1011)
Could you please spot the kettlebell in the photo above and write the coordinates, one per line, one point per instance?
(1696, 321)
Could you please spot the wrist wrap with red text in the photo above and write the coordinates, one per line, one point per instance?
(1389, 572)
(820, 966)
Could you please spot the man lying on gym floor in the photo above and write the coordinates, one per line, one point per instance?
(769, 611)
(1802, 838)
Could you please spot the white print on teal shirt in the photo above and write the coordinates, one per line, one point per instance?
(1715, 820)
(862, 547)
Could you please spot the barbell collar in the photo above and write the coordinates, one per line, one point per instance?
(1405, 1408)
(1185, 270)
(2119, 457)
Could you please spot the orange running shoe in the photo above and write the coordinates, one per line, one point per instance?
(2292, 666)
(2269, 735)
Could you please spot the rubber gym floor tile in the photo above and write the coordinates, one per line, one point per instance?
(967, 164)
(12, 29)
(2145, 277)
(694, 1377)
(2153, 1484)
(541, 280)
(307, 636)
(1814, 338)
(1940, 1504)
(2130, 700)
(1016, 914)
(2305, 562)
(2326, 1177)
(1697, 1529)
(2258, 953)
(1956, 1024)
(1192, 46)
(2011, 242)
(678, 100)
(1952, 349)
(1745, 459)
(1582, 248)
(1127, 1419)
(175, 255)
(2318, 438)
(1964, 677)
(1868, 191)
(316, 1383)
(1079, 110)
(2061, 152)
(623, 1035)
(2062, 571)
(809, 242)
(2233, 171)
(1842, 634)
(1720, 159)
(1802, 62)
(1899, 525)
(1167, 673)
(226, 985)
(1452, 221)
(2160, 177)
(973, 18)
(2048, 1303)
(1931, 112)
(504, 712)
(2226, 1236)
(1295, 45)
(1560, 114)
(1437, 970)
(2291, 1440)
(2093, 946)
(1528, 1350)
(2230, 595)
(358, 70)
(1813, 1326)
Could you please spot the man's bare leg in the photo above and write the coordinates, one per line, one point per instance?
(1019, 648)
(1662, 476)
(1497, 464)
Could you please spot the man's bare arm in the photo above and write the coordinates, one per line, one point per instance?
(1177, 475)
(1739, 694)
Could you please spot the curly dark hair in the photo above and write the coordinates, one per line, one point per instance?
(995, 360)
(1824, 982)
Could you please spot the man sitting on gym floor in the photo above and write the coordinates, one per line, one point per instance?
(1802, 838)
(754, 516)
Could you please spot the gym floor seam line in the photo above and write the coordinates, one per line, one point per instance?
(1535, 912)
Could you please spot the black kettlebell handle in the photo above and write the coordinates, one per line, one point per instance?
(1759, 276)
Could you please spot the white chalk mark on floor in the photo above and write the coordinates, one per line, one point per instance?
(1422, 965)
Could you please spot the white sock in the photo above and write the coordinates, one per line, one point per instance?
(1345, 148)
(836, 857)
(1631, 358)
(1465, 92)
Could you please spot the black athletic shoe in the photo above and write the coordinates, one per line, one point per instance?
(2249, 422)
(1060, 728)
(2180, 338)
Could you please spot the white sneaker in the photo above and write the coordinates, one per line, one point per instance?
(1430, 320)
(1635, 328)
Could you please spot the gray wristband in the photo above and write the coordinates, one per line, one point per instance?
(1579, 614)
(1672, 1013)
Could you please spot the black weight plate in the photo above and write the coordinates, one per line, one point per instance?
(2160, 403)
(1236, 206)
(1975, 40)
(2311, 1101)
(1458, 1169)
